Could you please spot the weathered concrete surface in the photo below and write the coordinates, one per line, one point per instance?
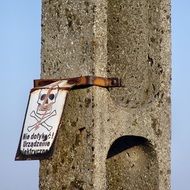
(126, 39)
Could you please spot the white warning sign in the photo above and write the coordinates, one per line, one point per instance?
(42, 119)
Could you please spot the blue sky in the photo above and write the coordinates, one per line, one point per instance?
(20, 64)
(180, 94)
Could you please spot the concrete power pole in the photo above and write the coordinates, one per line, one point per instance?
(115, 138)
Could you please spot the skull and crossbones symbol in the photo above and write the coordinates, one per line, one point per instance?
(46, 99)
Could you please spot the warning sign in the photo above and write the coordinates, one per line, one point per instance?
(42, 119)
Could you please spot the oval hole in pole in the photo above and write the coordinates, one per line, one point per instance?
(132, 164)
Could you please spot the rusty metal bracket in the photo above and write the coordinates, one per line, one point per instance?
(82, 82)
